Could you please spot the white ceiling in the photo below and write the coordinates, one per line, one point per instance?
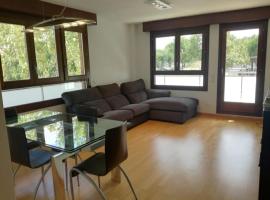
(134, 11)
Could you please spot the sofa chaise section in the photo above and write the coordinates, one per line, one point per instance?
(162, 105)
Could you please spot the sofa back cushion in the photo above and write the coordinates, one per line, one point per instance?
(100, 105)
(113, 96)
(80, 96)
(134, 90)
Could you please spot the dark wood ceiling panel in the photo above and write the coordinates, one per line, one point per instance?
(252, 14)
(42, 9)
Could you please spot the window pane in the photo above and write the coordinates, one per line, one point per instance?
(46, 55)
(241, 66)
(39, 93)
(74, 50)
(13, 53)
(191, 52)
(165, 51)
(56, 91)
(179, 80)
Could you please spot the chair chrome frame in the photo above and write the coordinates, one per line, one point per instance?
(97, 187)
(44, 172)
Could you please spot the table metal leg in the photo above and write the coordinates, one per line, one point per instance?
(58, 176)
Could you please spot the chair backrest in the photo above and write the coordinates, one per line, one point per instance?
(115, 147)
(86, 113)
(11, 115)
(18, 146)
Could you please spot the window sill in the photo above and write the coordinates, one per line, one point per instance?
(187, 88)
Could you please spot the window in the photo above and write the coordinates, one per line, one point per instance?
(180, 59)
(42, 57)
(13, 53)
(46, 54)
(74, 53)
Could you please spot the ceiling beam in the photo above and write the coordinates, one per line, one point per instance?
(42, 9)
(245, 15)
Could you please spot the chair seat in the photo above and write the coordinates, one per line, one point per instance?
(94, 165)
(39, 157)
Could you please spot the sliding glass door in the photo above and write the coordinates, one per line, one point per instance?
(241, 68)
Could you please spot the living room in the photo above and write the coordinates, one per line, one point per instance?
(187, 81)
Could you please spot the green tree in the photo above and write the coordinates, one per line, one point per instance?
(191, 52)
(165, 58)
(46, 56)
(74, 50)
(240, 51)
(13, 53)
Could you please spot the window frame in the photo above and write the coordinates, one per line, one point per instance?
(27, 20)
(83, 31)
(204, 30)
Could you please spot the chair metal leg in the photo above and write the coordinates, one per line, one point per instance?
(71, 185)
(89, 180)
(16, 170)
(99, 181)
(76, 163)
(42, 172)
(66, 173)
(130, 185)
(39, 182)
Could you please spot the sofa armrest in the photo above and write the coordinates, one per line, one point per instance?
(154, 93)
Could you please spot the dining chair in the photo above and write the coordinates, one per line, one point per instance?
(101, 164)
(11, 116)
(20, 154)
(84, 113)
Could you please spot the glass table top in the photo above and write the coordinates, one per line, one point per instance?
(65, 132)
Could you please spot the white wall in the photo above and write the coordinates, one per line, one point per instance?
(208, 99)
(6, 183)
(110, 52)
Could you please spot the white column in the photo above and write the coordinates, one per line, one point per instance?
(6, 183)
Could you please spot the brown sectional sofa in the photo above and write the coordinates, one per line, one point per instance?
(131, 102)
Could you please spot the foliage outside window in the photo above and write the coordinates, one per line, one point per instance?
(74, 53)
(180, 59)
(165, 48)
(13, 52)
(241, 48)
(191, 52)
(46, 54)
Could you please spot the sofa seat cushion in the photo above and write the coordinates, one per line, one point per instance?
(121, 115)
(137, 109)
(101, 105)
(181, 104)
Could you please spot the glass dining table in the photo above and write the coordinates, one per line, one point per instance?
(66, 133)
